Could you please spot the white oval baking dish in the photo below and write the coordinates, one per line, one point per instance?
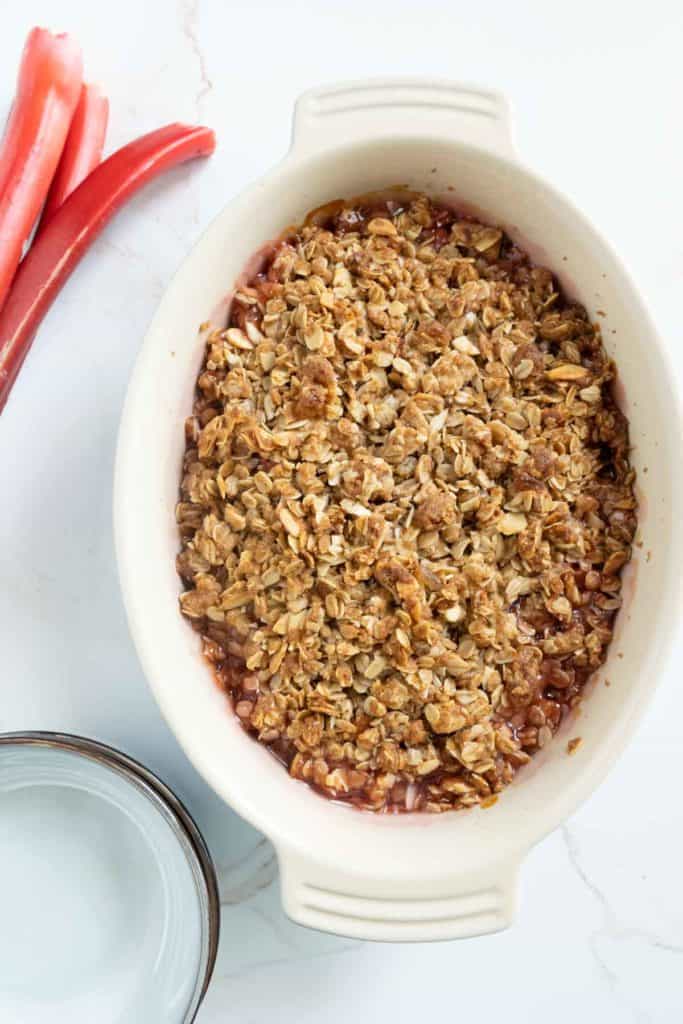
(409, 877)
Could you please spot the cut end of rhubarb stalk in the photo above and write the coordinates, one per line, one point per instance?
(60, 49)
(204, 138)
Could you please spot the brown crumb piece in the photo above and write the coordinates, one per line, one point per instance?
(574, 744)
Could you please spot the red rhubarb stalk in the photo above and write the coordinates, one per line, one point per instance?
(82, 149)
(76, 224)
(48, 87)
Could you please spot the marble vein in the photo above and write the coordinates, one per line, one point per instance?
(612, 927)
(612, 930)
(190, 25)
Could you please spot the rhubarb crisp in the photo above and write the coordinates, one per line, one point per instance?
(405, 506)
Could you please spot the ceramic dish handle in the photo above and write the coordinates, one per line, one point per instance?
(316, 896)
(350, 111)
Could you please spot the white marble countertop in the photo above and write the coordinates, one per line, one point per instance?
(596, 91)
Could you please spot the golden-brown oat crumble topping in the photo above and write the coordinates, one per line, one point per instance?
(405, 506)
